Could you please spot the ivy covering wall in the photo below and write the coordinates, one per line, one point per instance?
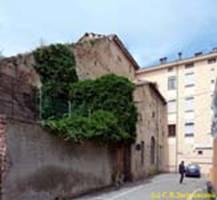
(110, 93)
(101, 109)
(57, 69)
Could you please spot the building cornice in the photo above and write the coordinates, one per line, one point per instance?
(177, 63)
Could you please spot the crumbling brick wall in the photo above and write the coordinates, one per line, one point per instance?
(19, 85)
(2, 150)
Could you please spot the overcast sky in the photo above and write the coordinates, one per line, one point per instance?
(150, 29)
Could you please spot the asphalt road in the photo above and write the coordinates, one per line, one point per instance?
(163, 186)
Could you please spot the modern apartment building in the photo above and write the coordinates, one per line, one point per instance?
(188, 86)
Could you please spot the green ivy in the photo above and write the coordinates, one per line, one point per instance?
(108, 93)
(101, 126)
(57, 68)
(101, 109)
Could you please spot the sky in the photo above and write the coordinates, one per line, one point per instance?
(150, 29)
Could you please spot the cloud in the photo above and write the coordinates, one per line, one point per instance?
(150, 29)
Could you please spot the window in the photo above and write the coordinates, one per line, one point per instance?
(142, 152)
(189, 104)
(152, 151)
(172, 83)
(170, 69)
(172, 130)
(171, 106)
(189, 65)
(189, 129)
(189, 79)
(200, 152)
(211, 60)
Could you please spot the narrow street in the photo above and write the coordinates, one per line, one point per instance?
(146, 190)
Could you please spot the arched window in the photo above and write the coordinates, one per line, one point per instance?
(152, 150)
(142, 152)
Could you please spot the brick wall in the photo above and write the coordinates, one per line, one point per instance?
(18, 83)
(2, 150)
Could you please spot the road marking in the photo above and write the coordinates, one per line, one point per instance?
(194, 192)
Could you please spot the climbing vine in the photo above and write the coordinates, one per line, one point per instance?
(57, 68)
(101, 109)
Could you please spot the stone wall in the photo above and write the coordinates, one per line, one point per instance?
(152, 124)
(2, 151)
(18, 87)
(21, 68)
(98, 57)
(43, 166)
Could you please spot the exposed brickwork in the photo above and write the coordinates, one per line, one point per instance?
(2, 149)
(18, 83)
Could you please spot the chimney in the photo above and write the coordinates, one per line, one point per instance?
(163, 60)
(180, 55)
(214, 49)
(198, 54)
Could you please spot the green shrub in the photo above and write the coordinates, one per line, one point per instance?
(101, 109)
(109, 93)
(101, 126)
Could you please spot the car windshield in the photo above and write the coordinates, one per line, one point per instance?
(192, 166)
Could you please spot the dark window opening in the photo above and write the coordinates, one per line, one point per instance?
(170, 69)
(142, 152)
(152, 150)
(211, 60)
(172, 130)
(189, 65)
(200, 152)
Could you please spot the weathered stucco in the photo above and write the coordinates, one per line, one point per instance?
(152, 123)
(42, 166)
(98, 57)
